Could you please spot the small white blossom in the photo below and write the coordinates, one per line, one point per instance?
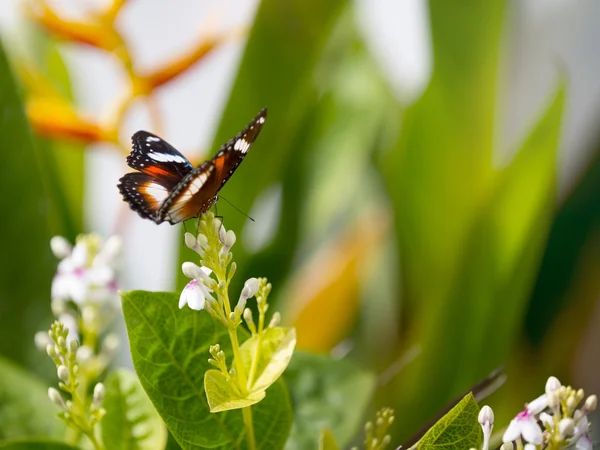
(524, 425)
(87, 271)
(194, 295)
(538, 405)
(553, 384)
(486, 419)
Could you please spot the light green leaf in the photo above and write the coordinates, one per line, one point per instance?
(25, 409)
(131, 422)
(327, 441)
(276, 350)
(169, 348)
(326, 393)
(222, 396)
(457, 430)
(37, 444)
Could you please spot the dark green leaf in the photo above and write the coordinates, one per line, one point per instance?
(27, 264)
(326, 393)
(131, 422)
(25, 409)
(169, 348)
(457, 430)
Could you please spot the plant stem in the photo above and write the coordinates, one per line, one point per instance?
(247, 415)
(237, 356)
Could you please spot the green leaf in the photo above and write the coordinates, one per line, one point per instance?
(36, 444)
(222, 396)
(26, 265)
(131, 422)
(326, 393)
(25, 409)
(169, 348)
(327, 441)
(457, 430)
(276, 350)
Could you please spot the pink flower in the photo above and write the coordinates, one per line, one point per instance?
(525, 425)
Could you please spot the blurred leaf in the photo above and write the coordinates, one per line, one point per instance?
(222, 396)
(25, 409)
(457, 430)
(327, 441)
(27, 264)
(324, 294)
(276, 348)
(131, 422)
(37, 444)
(276, 71)
(169, 348)
(326, 393)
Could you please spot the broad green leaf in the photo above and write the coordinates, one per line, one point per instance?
(276, 349)
(37, 444)
(25, 409)
(169, 348)
(222, 396)
(277, 71)
(26, 266)
(131, 422)
(326, 393)
(327, 441)
(457, 430)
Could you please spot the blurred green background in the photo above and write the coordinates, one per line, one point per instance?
(407, 233)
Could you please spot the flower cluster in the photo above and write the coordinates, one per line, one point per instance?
(376, 437)
(84, 300)
(75, 412)
(261, 359)
(556, 419)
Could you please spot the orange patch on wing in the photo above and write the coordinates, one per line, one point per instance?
(156, 171)
(219, 163)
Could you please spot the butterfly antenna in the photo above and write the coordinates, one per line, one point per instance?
(237, 209)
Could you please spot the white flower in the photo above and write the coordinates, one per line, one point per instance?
(86, 272)
(194, 295)
(250, 289)
(536, 406)
(581, 435)
(524, 425)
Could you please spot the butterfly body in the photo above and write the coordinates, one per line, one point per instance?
(168, 188)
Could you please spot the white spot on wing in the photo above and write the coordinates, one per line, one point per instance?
(156, 191)
(152, 139)
(241, 145)
(166, 157)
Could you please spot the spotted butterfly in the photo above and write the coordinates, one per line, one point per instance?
(168, 188)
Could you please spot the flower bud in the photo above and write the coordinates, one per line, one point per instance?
(202, 241)
(507, 446)
(486, 415)
(530, 446)
(63, 373)
(99, 393)
(553, 384)
(52, 351)
(591, 403)
(60, 247)
(553, 401)
(216, 224)
(73, 345)
(275, 319)
(42, 340)
(190, 241)
(56, 398)
(62, 344)
(566, 428)
(571, 404)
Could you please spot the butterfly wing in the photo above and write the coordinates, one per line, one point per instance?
(155, 157)
(198, 191)
(161, 169)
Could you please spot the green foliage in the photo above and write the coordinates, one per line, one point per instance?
(131, 422)
(478, 231)
(276, 71)
(38, 444)
(24, 238)
(169, 348)
(25, 409)
(326, 393)
(457, 430)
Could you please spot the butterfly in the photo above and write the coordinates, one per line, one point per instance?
(168, 188)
